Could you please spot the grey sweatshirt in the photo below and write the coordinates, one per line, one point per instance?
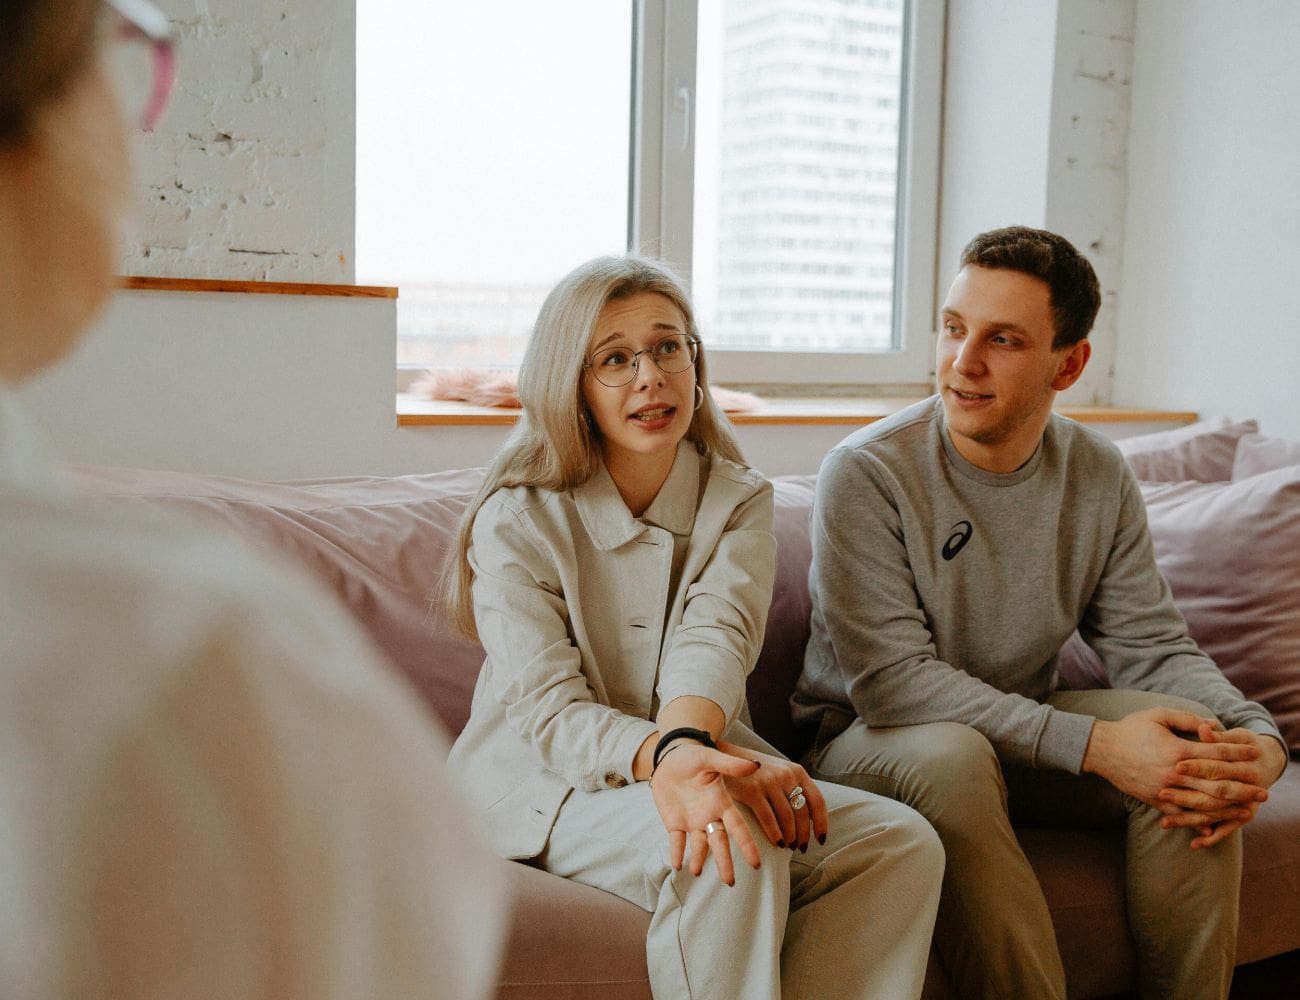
(941, 592)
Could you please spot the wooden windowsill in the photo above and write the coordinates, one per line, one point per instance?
(136, 283)
(415, 411)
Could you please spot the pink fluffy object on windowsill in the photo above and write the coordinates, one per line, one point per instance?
(485, 387)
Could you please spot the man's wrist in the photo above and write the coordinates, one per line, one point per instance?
(1270, 741)
(1094, 751)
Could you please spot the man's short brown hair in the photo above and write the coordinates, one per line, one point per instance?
(1071, 281)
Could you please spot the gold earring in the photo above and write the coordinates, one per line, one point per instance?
(699, 395)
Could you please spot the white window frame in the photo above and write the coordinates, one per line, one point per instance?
(661, 201)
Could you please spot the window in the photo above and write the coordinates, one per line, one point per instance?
(492, 156)
(782, 154)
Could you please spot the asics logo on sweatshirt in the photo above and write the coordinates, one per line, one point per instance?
(961, 532)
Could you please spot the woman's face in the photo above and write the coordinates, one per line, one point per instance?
(640, 423)
(66, 190)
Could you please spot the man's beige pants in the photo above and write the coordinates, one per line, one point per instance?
(994, 933)
(851, 919)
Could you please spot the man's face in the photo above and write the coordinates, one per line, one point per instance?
(997, 371)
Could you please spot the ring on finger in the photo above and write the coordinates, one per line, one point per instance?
(796, 797)
(713, 828)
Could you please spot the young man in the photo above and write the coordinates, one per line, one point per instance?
(956, 546)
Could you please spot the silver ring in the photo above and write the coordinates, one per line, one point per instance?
(794, 793)
(713, 828)
(798, 803)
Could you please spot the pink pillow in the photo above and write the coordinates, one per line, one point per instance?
(1257, 453)
(1203, 452)
(1229, 551)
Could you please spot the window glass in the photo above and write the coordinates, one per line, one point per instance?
(492, 157)
(796, 173)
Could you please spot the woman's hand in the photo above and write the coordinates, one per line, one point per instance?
(689, 789)
(769, 792)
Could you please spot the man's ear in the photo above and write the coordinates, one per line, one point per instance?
(1072, 364)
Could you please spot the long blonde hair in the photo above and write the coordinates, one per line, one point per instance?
(554, 446)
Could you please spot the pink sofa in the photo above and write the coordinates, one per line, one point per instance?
(378, 544)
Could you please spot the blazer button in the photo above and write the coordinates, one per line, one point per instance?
(614, 780)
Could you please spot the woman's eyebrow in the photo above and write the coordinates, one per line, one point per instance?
(670, 327)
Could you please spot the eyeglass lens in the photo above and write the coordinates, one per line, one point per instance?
(617, 366)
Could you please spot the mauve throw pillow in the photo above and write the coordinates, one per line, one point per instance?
(1257, 453)
(1203, 452)
(1230, 554)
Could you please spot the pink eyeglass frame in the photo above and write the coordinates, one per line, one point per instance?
(143, 20)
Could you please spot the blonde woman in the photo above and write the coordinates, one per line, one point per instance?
(617, 568)
(209, 785)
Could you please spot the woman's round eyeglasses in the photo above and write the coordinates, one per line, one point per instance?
(617, 366)
(142, 63)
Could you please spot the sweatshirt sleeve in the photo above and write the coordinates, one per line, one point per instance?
(866, 604)
(520, 611)
(1142, 639)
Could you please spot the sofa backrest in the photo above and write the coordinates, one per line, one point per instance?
(1227, 548)
(379, 545)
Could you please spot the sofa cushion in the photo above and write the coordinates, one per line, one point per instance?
(1229, 551)
(781, 658)
(1257, 453)
(1202, 451)
(379, 543)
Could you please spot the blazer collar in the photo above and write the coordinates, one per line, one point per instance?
(609, 522)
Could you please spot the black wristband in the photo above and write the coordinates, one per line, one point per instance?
(682, 733)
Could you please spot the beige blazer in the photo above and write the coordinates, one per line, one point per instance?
(591, 619)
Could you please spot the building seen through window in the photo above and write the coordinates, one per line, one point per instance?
(805, 108)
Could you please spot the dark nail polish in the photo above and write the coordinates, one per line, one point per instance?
(804, 847)
(780, 843)
(822, 839)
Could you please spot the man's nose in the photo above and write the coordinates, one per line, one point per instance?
(970, 356)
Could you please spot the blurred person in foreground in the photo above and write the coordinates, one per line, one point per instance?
(209, 784)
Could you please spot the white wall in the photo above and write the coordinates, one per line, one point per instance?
(1208, 310)
(250, 175)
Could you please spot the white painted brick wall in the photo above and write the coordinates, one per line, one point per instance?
(1087, 168)
(251, 175)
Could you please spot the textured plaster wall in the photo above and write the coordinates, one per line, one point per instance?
(251, 174)
(1087, 163)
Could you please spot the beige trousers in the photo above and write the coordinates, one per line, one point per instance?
(994, 933)
(851, 919)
